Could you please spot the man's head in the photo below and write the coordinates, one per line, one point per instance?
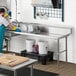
(2, 11)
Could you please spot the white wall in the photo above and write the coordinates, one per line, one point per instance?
(17, 44)
(3, 3)
(26, 15)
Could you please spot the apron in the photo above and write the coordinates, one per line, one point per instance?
(2, 33)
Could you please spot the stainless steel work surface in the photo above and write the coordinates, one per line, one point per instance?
(52, 36)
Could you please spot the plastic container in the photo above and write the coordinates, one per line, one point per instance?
(42, 47)
(29, 45)
(36, 48)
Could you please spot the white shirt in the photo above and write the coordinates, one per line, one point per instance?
(3, 21)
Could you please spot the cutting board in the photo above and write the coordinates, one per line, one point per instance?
(11, 60)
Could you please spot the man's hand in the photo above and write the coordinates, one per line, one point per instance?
(11, 26)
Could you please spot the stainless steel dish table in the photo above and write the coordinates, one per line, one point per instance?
(56, 36)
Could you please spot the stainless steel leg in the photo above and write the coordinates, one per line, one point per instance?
(7, 39)
(66, 48)
(58, 52)
(7, 43)
(10, 35)
(31, 70)
(15, 73)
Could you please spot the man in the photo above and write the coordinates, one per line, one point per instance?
(3, 20)
(3, 24)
